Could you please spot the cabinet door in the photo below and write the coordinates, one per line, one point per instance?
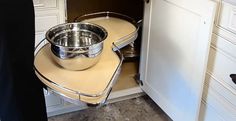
(175, 47)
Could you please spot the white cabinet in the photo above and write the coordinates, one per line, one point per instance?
(177, 37)
(219, 97)
(175, 46)
(48, 13)
(46, 4)
(227, 17)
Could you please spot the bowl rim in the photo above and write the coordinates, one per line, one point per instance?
(75, 23)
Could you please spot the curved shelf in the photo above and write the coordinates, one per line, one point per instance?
(89, 85)
(92, 85)
(108, 18)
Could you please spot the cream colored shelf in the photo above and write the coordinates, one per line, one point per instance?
(91, 85)
(77, 84)
(126, 80)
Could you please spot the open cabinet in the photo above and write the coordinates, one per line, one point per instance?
(174, 51)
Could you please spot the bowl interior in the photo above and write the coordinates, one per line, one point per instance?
(76, 34)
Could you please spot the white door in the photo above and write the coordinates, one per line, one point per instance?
(176, 41)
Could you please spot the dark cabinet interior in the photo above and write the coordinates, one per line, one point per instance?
(131, 8)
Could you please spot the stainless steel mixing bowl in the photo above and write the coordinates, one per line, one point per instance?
(76, 46)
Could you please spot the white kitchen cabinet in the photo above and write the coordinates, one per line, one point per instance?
(175, 47)
(46, 4)
(48, 13)
(219, 94)
(176, 41)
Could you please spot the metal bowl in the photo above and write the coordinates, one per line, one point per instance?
(76, 46)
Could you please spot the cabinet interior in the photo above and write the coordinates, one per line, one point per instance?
(126, 79)
(77, 8)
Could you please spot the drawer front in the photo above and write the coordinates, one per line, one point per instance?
(233, 2)
(225, 23)
(221, 89)
(221, 107)
(39, 36)
(43, 23)
(207, 113)
(44, 4)
(221, 65)
(227, 17)
(223, 45)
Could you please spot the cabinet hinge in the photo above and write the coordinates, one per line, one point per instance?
(137, 79)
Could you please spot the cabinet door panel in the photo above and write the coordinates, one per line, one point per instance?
(43, 4)
(176, 41)
(227, 17)
(45, 22)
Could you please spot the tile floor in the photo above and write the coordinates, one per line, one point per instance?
(138, 109)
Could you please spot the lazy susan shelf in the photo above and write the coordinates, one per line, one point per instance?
(92, 85)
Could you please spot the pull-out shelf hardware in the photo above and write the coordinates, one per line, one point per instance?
(92, 85)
